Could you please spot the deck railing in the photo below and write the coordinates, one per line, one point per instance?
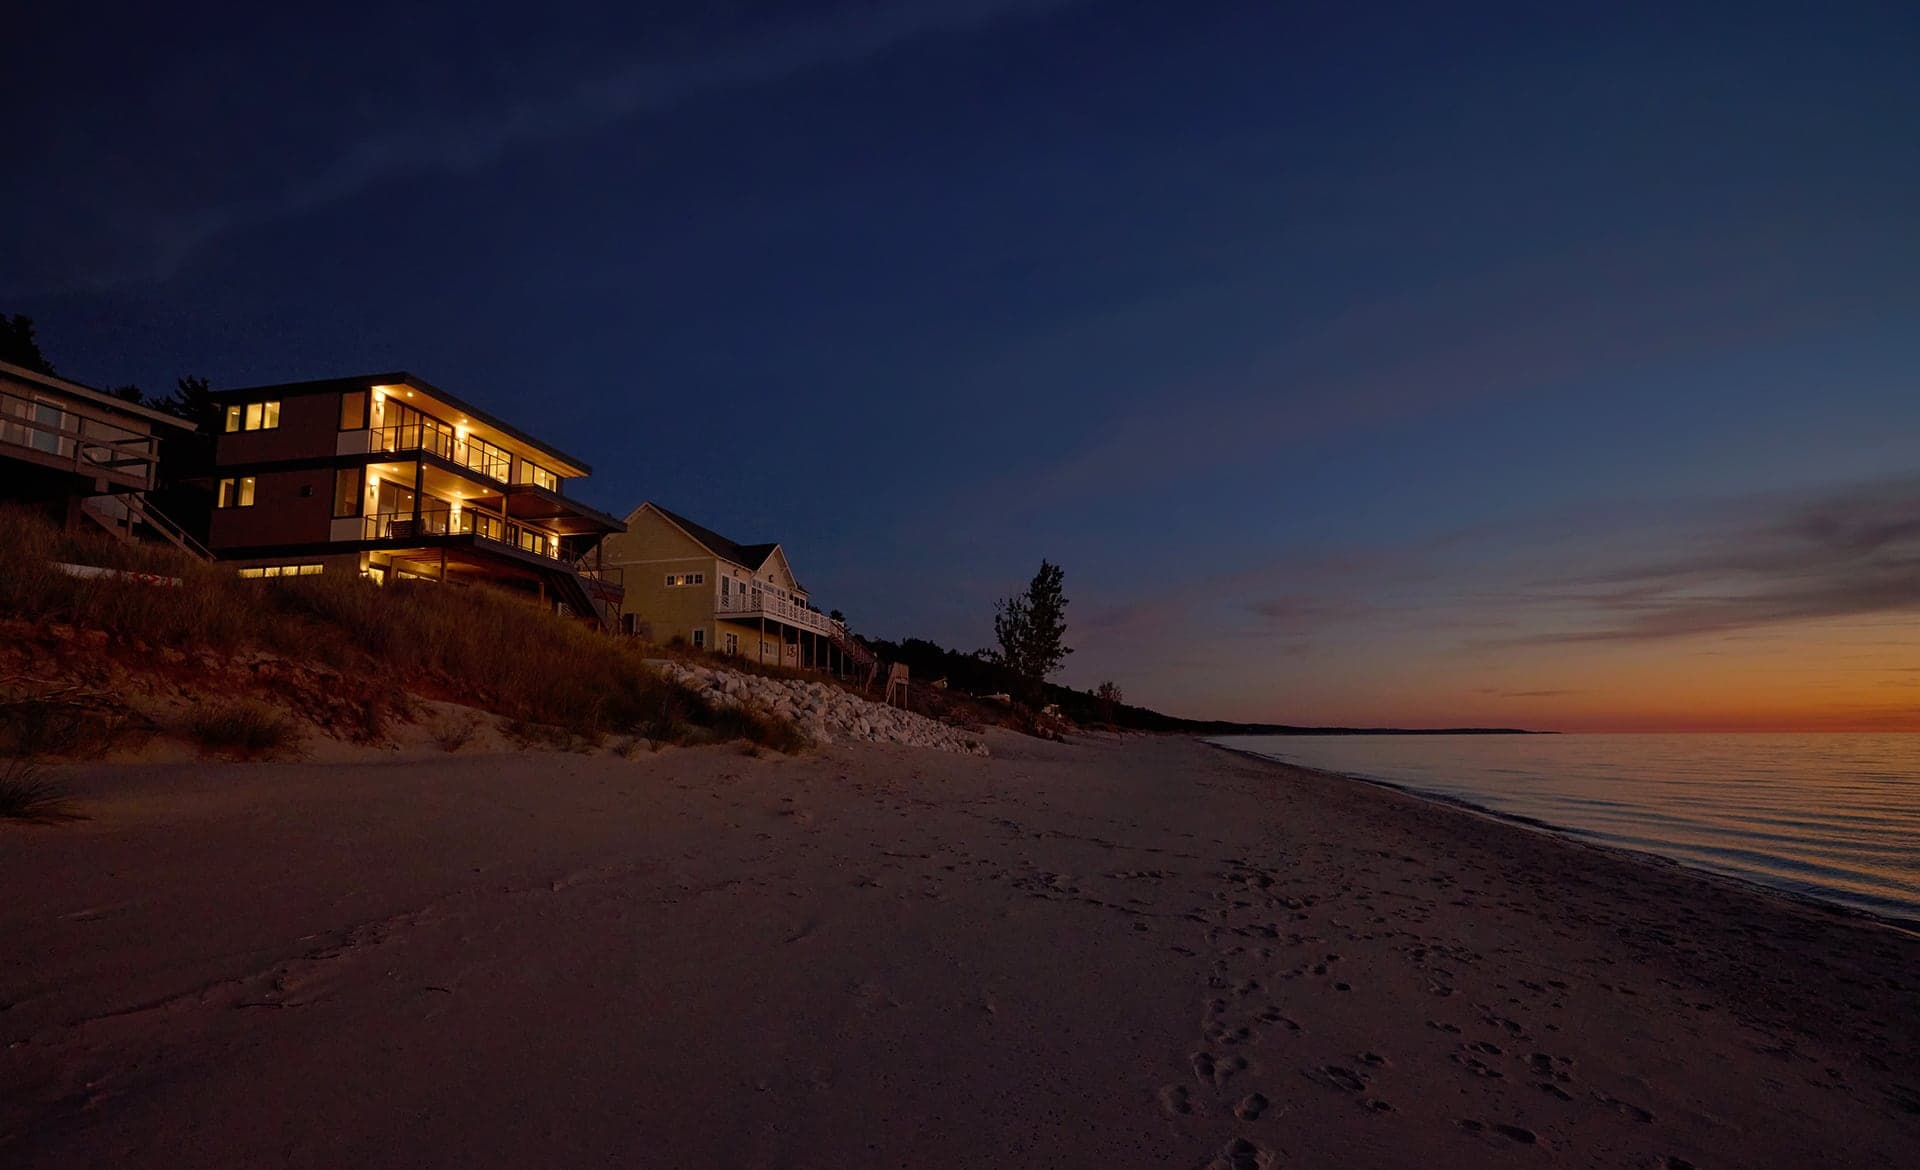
(749, 604)
(475, 455)
(471, 522)
(92, 446)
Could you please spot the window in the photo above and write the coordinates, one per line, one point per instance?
(699, 639)
(236, 493)
(49, 421)
(538, 476)
(353, 410)
(348, 500)
(283, 571)
(733, 643)
(675, 580)
(483, 457)
(254, 416)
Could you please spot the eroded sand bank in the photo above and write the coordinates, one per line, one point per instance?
(1115, 953)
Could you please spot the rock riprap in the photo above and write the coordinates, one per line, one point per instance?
(825, 712)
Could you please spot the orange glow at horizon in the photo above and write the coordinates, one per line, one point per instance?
(1829, 676)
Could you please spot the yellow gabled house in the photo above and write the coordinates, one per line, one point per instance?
(685, 582)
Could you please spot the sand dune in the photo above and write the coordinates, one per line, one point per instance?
(1116, 953)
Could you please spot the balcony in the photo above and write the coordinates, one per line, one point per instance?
(440, 521)
(757, 604)
(69, 437)
(475, 455)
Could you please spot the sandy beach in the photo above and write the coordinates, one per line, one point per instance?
(1116, 952)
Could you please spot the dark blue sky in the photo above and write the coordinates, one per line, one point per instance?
(1305, 337)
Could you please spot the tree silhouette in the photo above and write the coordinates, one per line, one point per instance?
(19, 347)
(1031, 629)
(192, 400)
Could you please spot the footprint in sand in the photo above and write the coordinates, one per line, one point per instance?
(1625, 1108)
(1512, 1133)
(1476, 1066)
(1221, 1034)
(1251, 1107)
(1338, 1077)
(1216, 1071)
(1175, 1100)
(1241, 1154)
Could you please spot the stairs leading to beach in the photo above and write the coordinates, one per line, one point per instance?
(125, 513)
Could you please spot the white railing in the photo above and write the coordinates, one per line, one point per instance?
(763, 604)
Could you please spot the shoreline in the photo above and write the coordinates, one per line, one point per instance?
(1126, 951)
(1571, 835)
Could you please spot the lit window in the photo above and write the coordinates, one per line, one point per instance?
(235, 493)
(538, 476)
(254, 416)
(283, 571)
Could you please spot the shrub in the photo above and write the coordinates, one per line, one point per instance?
(758, 727)
(24, 796)
(245, 729)
(455, 734)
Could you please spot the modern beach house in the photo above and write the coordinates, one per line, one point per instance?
(82, 455)
(390, 477)
(686, 582)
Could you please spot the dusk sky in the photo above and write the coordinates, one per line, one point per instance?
(1547, 366)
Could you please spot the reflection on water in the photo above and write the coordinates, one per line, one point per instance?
(1831, 816)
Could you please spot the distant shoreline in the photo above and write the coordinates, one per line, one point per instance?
(1283, 729)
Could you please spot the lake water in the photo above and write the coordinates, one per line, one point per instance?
(1835, 817)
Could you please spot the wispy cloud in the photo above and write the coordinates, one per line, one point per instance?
(414, 144)
(1845, 553)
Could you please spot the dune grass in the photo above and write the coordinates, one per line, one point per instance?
(24, 796)
(476, 645)
(246, 729)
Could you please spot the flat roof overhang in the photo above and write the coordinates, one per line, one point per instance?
(402, 378)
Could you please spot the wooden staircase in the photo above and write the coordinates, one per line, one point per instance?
(123, 513)
(862, 658)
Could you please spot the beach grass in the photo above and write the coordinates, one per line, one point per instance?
(26, 796)
(244, 729)
(475, 645)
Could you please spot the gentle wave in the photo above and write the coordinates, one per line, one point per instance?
(1835, 817)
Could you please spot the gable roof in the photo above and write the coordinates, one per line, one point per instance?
(753, 556)
(750, 555)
